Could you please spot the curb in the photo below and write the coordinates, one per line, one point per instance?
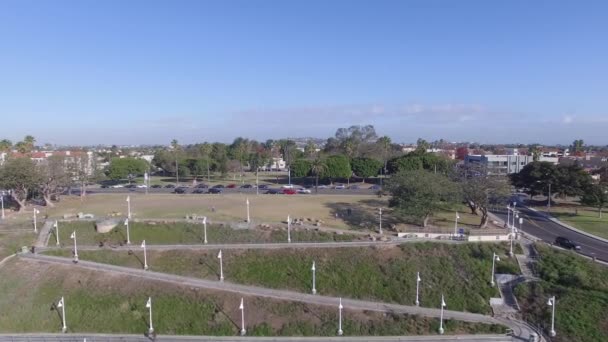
(567, 226)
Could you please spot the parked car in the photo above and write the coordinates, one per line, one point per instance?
(304, 191)
(246, 186)
(354, 187)
(118, 186)
(215, 190)
(567, 243)
(323, 187)
(219, 186)
(289, 191)
(104, 186)
(375, 187)
(339, 186)
(198, 191)
(156, 186)
(169, 186)
(263, 187)
(131, 186)
(287, 186)
(273, 192)
(202, 186)
(142, 186)
(231, 186)
(180, 190)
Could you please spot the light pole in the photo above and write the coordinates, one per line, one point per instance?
(149, 307)
(205, 228)
(219, 256)
(129, 207)
(36, 220)
(456, 224)
(340, 307)
(441, 315)
(73, 237)
(289, 174)
(242, 308)
(418, 280)
(508, 215)
(494, 259)
(288, 229)
(128, 234)
(549, 199)
(551, 303)
(380, 219)
(248, 218)
(143, 245)
(314, 280)
(56, 226)
(61, 304)
(2, 201)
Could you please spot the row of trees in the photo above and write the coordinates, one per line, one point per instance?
(25, 146)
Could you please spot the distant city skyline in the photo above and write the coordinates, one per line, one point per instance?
(146, 72)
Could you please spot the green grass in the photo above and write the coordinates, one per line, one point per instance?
(461, 272)
(583, 218)
(102, 303)
(11, 242)
(581, 288)
(185, 233)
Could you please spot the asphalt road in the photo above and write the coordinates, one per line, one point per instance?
(141, 338)
(76, 191)
(541, 227)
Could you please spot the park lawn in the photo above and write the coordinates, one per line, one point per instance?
(107, 303)
(231, 207)
(11, 242)
(446, 218)
(583, 218)
(186, 233)
(581, 290)
(461, 272)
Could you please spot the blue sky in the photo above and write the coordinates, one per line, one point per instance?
(129, 72)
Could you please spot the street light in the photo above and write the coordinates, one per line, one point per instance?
(242, 308)
(149, 307)
(128, 234)
(2, 201)
(508, 215)
(456, 224)
(36, 211)
(314, 280)
(129, 207)
(56, 226)
(248, 218)
(380, 219)
(205, 228)
(443, 305)
(418, 280)
(61, 304)
(143, 245)
(551, 303)
(73, 237)
(494, 259)
(288, 229)
(219, 256)
(340, 307)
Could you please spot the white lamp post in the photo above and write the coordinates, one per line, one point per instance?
(129, 207)
(128, 234)
(242, 308)
(143, 245)
(340, 307)
(456, 224)
(205, 229)
(56, 226)
(494, 259)
(149, 307)
(418, 280)
(73, 237)
(314, 280)
(61, 304)
(36, 220)
(508, 215)
(288, 229)
(2, 201)
(441, 316)
(380, 219)
(248, 218)
(521, 222)
(551, 303)
(219, 256)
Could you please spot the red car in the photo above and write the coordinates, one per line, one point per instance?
(231, 186)
(289, 191)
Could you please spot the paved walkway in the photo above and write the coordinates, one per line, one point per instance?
(45, 233)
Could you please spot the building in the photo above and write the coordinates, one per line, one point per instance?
(504, 164)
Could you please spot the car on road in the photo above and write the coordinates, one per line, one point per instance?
(141, 186)
(287, 186)
(199, 191)
(246, 186)
(215, 190)
(273, 192)
(289, 191)
(131, 186)
(202, 186)
(104, 186)
(304, 191)
(264, 187)
(375, 187)
(117, 186)
(219, 186)
(180, 190)
(323, 187)
(567, 243)
(354, 187)
(156, 186)
(231, 186)
(339, 186)
(169, 186)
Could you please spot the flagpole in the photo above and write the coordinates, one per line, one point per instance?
(417, 288)
(219, 256)
(75, 247)
(205, 228)
(143, 245)
(314, 280)
(149, 305)
(340, 332)
(64, 328)
(129, 207)
(128, 234)
(35, 220)
(57, 232)
(441, 316)
(242, 307)
(248, 218)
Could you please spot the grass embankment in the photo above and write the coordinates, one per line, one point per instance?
(461, 272)
(581, 288)
(583, 218)
(104, 303)
(186, 233)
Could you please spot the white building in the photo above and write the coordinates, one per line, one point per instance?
(504, 164)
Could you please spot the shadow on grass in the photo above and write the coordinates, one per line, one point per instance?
(58, 311)
(220, 309)
(212, 268)
(307, 283)
(132, 253)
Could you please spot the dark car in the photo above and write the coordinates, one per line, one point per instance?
(169, 186)
(198, 191)
(566, 243)
(202, 186)
(219, 186)
(156, 186)
(131, 186)
(273, 192)
(246, 186)
(231, 186)
(354, 187)
(215, 190)
(104, 186)
(180, 190)
(263, 187)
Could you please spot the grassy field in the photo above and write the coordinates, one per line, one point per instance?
(583, 218)
(186, 233)
(581, 288)
(461, 272)
(104, 303)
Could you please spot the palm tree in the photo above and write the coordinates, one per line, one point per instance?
(5, 145)
(175, 146)
(317, 167)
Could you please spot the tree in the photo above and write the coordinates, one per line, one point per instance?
(21, 177)
(27, 145)
(365, 167)
(337, 166)
(480, 190)
(422, 145)
(219, 157)
(578, 147)
(83, 169)
(349, 141)
(54, 178)
(300, 168)
(5, 145)
(420, 160)
(596, 196)
(123, 168)
(385, 147)
(572, 180)
(176, 154)
(317, 167)
(536, 152)
(310, 149)
(535, 178)
(420, 194)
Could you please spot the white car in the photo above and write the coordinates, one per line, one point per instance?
(304, 191)
(340, 187)
(288, 186)
(142, 186)
(118, 186)
(323, 187)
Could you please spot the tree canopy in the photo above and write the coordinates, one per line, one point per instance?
(365, 167)
(300, 168)
(565, 180)
(596, 195)
(21, 177)
(337, 166)
(121, 168)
